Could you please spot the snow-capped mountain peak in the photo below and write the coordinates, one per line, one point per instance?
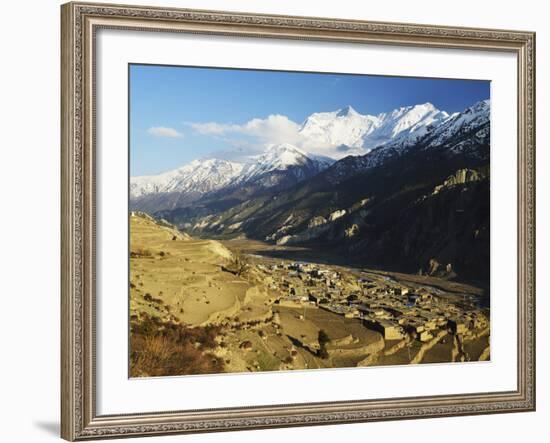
(433, 129)
(360, 133)
(476, 115)
(404, 121)
(200, 176)
(344, 127)
(281, 157)
(344, 112)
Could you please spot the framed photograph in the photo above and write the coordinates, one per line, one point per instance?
(282, 221)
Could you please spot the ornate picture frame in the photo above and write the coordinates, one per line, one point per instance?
(80, 22)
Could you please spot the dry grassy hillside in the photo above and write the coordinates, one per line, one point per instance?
(196, 307)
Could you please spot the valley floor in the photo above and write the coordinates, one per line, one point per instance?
(204, 306)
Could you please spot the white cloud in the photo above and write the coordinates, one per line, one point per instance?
(211, 128)
(273, 129)
(260, 133)
(162, 131)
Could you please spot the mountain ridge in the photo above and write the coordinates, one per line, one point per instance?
(209, 186)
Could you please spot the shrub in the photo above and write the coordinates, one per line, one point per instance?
(148, 297)
(247, 344)
(140, 253)
(238, 266)
(322, 353)
(323, 339)
(165, 348)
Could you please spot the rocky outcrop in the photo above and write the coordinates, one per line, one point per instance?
(435, 269)
(304, 236)
(316, 221)
(337, 214)
(352, 231)
(460, 177)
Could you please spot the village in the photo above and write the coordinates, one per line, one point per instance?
(395, 310)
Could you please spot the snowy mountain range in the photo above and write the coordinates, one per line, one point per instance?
(201, 176)
(435, 135)
(356, 134)
(352, 133)
(208, 175)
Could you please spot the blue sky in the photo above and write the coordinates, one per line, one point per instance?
(168, 104)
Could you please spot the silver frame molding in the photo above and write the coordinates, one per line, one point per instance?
(79, 22)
